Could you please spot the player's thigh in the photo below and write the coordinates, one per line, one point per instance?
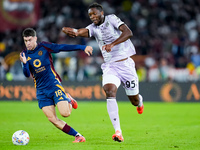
(64, 108)
(49, 112)
(110, 76)
(131, 87)
(44, 100)
(111, 79)
(129, 78)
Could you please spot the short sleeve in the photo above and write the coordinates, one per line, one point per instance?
(90, 28)
(115, 21)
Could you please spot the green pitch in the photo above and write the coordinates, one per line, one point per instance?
(162, 126)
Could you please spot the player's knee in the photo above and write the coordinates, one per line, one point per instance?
(52, 120)
(65, 114)
(110, 93)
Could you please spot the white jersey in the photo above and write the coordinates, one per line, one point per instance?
(108, 32)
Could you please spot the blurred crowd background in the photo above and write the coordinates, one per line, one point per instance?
(166, 35)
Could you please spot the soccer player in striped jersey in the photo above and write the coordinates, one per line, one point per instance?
(37, 61)
(113, 38)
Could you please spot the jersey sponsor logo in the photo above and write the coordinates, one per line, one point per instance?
(60, 87)
(40, 69)
(37, 63)
(40, 53)
(55, 75)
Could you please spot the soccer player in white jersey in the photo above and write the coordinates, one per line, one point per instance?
(113, 38)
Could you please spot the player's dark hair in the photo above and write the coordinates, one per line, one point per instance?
(97, 6)
(29, 32)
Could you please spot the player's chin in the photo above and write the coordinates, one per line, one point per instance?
(96, 22)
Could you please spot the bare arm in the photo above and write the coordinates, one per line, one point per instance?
(83, 32)
(126, 34)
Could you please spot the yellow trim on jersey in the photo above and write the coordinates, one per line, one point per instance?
(60, 87)
(34, 82)
(55, 75)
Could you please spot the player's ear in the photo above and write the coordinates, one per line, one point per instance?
(102, 13)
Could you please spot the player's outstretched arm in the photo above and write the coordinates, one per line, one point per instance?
(88, 50)
(83, 32)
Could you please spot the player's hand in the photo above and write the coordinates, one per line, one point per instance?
(22, 58)
(107, 47)
(70, 31)
(88, 50)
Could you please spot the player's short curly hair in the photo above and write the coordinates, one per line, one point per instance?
(97, 6)
(29, 32)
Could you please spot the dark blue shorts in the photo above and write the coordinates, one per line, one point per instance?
(51, 96)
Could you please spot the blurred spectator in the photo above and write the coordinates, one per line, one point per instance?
(141, 72)
(3, 69)
(153, 74)
(166, 30)
(195, 57)
(164, 69)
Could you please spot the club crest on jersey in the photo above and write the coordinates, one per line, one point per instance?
(37, 63)
(40, 53)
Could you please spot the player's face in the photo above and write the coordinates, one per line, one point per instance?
(30, 42)
(96, 16)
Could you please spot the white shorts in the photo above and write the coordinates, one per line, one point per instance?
(121, 72)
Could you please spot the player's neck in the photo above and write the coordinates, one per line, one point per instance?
(102, 21)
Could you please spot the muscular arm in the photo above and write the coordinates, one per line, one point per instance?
(126, 34)
(83, 32)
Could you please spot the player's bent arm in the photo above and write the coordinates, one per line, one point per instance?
(26, 70)
(25, 65)
(126, 34)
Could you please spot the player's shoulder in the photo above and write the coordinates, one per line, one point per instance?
(43, 43)
(115, 20)
(91, 25)
(112, 16)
